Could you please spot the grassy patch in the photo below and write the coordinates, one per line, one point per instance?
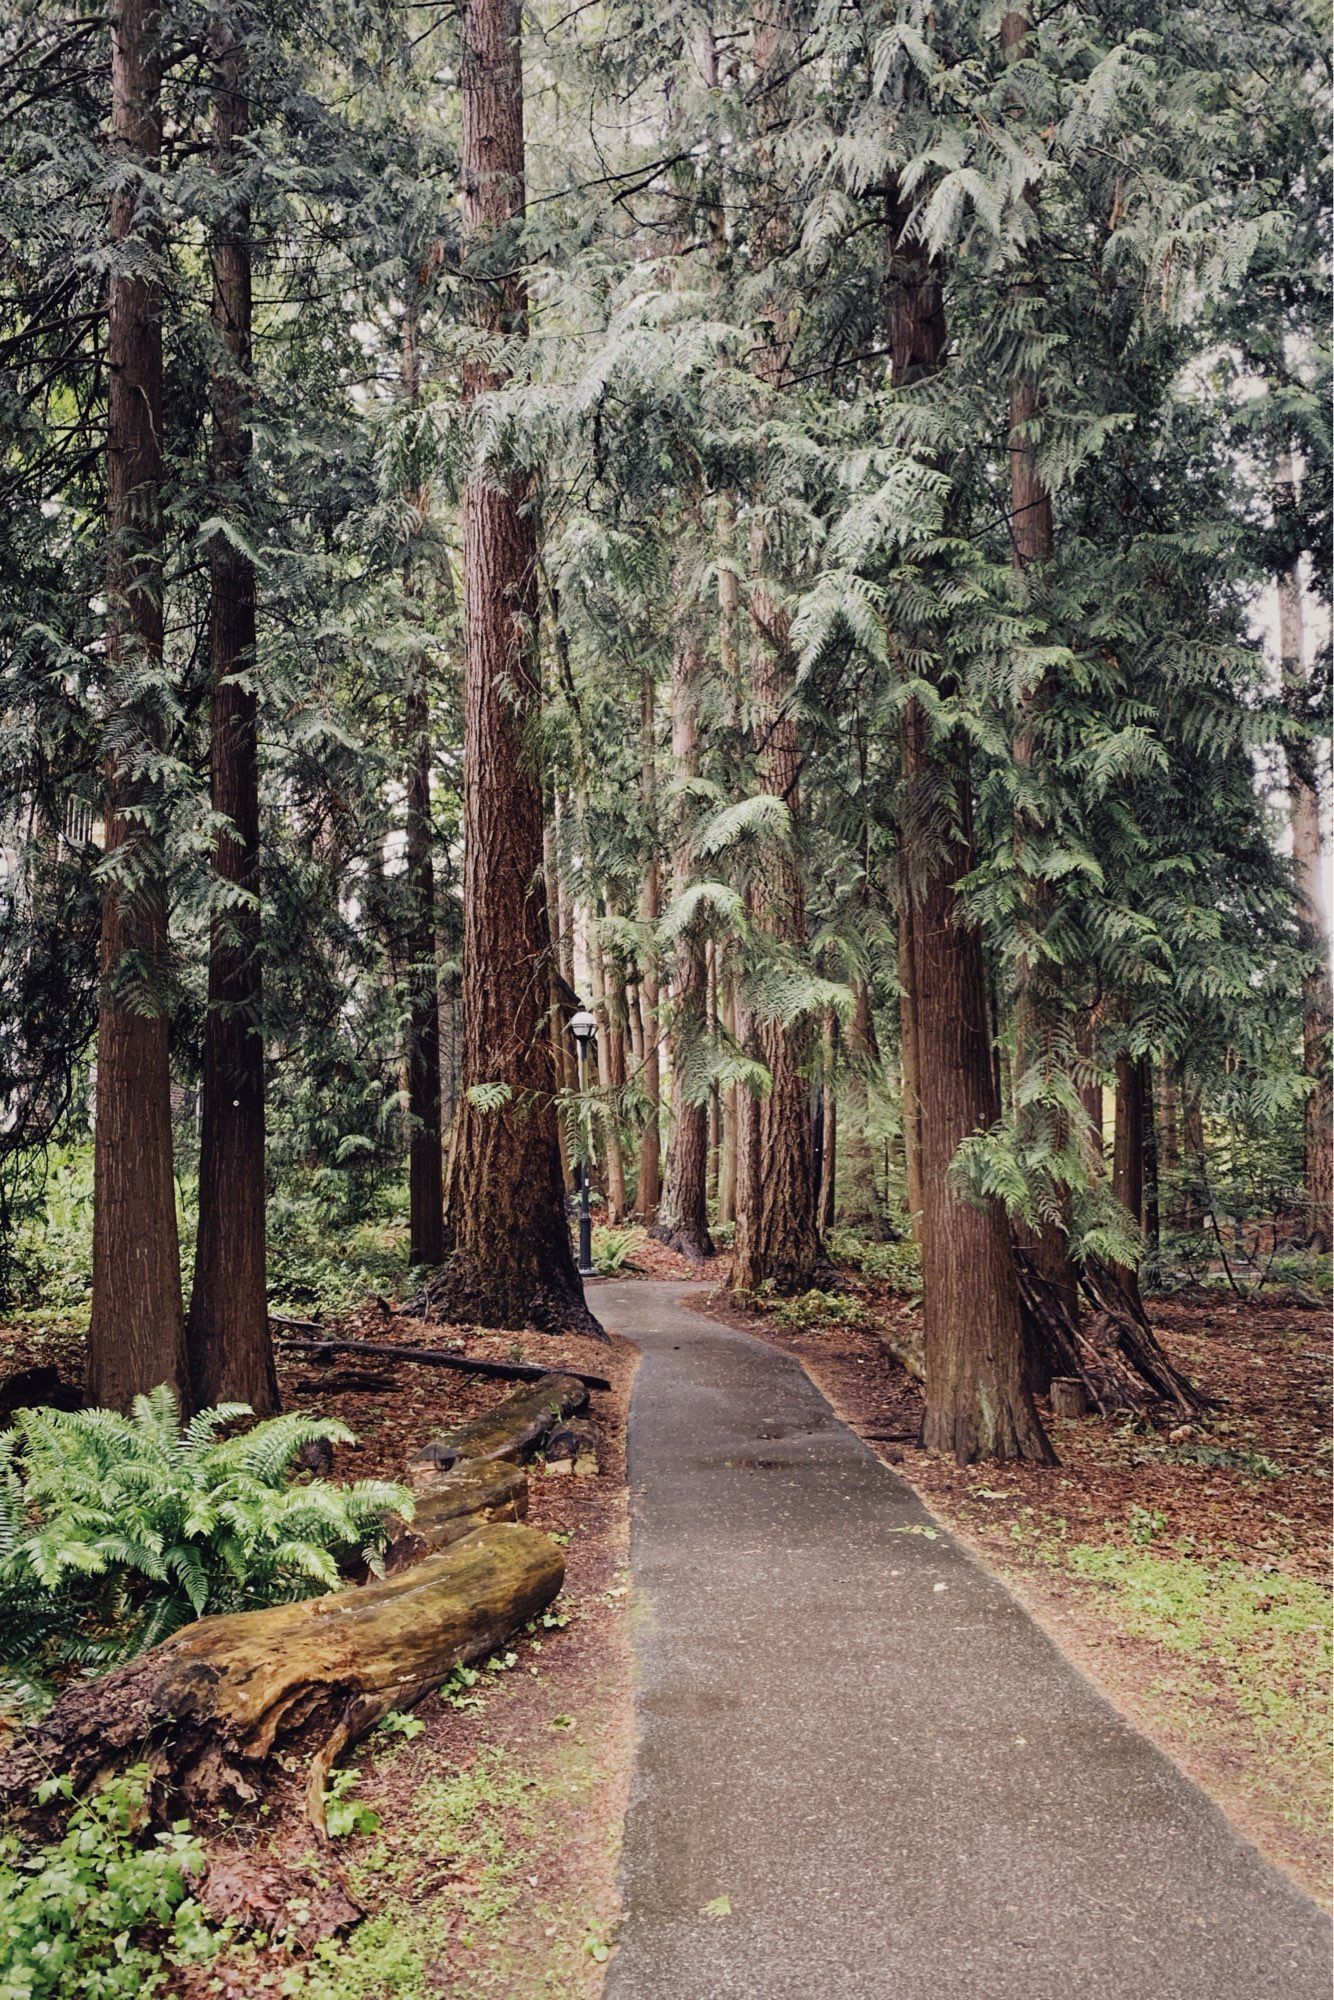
(1238, 1633)
(450, 1875)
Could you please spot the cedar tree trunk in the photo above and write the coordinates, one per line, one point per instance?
(649, 1190)
(136, 1337)
(978, 1403)
(683, 1212)
(426, 1216)
(230, 1348)
(508, 1241)
(1128, 1149)
(777, 1239)
(1312, 913)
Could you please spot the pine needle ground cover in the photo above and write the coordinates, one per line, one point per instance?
(1185, 1570)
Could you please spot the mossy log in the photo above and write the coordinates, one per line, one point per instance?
(515, 1425)
(210, 1705)
(465, 1498)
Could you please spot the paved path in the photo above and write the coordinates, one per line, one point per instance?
(857, 1737)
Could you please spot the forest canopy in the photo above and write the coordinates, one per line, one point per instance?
(802, 529)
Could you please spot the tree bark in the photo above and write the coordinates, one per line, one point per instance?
(509, 1258)
(136, 1337)
(227, 1334)
(1128, 1151)
(727, 1164)
(683, 1213)
(649, 1191)
(426, 1216)
(1032, 535)
(829, 1121)
(911, 1101)
(978, 1401)
(860, 1208)
(611, 1070)
(777, 1239)
(508, 1430)
(1312, 913)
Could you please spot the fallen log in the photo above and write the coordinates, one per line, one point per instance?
(209, 1705)
(436, 1357)
(574, 1446)
(517, 1423)
(470, 1494)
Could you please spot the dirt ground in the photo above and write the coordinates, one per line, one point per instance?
(1185, 1569)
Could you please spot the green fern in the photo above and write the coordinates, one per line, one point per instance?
(115, 1530)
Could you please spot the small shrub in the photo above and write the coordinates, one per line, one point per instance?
(611, 1250)
(115, 1531)
(1146, 1524)
(99, 1913)
(898, 1265)
(817, 1308)
(342, 1813)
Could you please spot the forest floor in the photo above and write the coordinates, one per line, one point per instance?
(1184, 1569)
(486, 1853)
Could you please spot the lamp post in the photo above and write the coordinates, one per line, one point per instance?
(583, 1026)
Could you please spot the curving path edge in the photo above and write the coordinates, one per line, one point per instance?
(861, 1768)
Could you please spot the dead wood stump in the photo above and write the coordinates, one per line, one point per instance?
(1069, 1398)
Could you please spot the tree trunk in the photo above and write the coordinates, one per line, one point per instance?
(1128, 1151)
(911, 1099)
(426, 1213)
(508, 1243)
(1168, 1099)
(978, 1402)
(715, 1109)
(777, 1238)
(683, 1212)
(607, 1045)
(860, 1208)
(649, 1191)
(1312, 913)
(727, 1164)
(1196, 1191)
(829, 1122)
(1032, 534)
(227, 1334)
(136, 1337)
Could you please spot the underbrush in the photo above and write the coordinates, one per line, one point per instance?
(897, 1265)
(115, 1531)
(104, 1911)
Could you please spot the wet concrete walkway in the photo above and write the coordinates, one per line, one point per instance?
(861, 1768)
